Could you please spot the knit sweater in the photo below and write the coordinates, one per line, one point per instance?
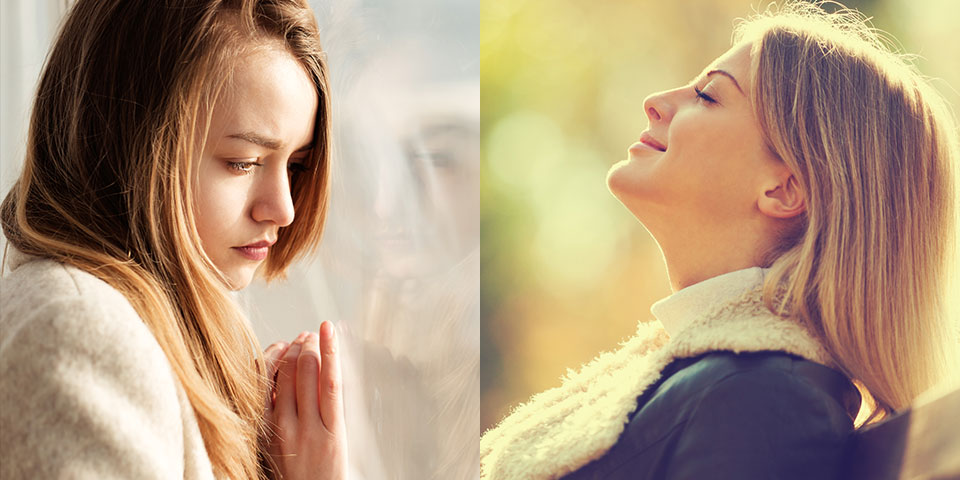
(86, 391)
(561, 430)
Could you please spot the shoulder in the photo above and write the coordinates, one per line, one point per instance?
(86, 387)
(760, 414)
(49, 286)
(724, 415)
(760, 376)
(51, 309)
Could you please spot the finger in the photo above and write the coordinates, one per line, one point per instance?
(308, 369)
(272, 356)
(331, 400)
(271, 359)
(286, 404)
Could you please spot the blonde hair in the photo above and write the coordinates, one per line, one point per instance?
(120, 116)
(868, 265)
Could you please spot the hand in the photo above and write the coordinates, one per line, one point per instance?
(305, 409)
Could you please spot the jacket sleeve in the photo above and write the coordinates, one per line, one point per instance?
(86, 392)
(761, 424)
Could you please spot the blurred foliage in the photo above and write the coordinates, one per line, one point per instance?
(566, 271)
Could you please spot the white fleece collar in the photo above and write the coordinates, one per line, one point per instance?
(684, 306)
(564, 428)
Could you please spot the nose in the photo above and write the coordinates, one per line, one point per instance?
(386, 197)
(272, 201)
(659, 108)
(395, 192)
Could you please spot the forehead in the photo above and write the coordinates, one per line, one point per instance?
(735, 61)
(270, 93)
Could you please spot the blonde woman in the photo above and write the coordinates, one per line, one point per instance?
(802, 191)
(174, 149)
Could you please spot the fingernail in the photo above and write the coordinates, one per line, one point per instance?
(301, 337)
(327, 330)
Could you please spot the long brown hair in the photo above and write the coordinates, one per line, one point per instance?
(120, 116)
(875, 149)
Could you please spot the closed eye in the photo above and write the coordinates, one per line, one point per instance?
(703, 96)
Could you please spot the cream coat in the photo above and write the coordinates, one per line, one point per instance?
(86, 391)
(562, 429)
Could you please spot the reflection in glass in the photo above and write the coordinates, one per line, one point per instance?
(398, 271)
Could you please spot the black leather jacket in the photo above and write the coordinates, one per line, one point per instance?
(723, 415)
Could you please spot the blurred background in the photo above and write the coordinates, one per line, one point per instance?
(567, 272)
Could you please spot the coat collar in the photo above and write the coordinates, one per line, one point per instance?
(678, 310)
(12, 258)
(562, 429)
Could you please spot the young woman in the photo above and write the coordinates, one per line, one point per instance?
(802, 190)
(175, 148)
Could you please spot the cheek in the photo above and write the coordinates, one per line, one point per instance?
(712, 158)
(701, 176)
(219, 206)
(690, 168)
(696, 145)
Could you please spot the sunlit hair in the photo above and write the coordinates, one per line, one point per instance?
(121, 115)
(869, 264)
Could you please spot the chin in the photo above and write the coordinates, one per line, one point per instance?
(612, 175)
(621, 182)
(634, 191)
(239, 279)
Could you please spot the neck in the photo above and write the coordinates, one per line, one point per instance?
(683, 275)
(690, 262)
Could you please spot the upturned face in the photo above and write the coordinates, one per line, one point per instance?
(260, 134)
(698, 164)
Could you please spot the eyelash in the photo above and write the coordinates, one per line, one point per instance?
(246, 168)
(703, 96)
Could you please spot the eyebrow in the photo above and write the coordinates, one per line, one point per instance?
(264, 141)
(728, 75)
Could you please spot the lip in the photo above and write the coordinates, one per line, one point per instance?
(648, 140)
(262, 243)
(396, 240)
(255, 251)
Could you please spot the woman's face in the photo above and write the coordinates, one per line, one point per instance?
(699, 164)
(260, 134)
(427, 207)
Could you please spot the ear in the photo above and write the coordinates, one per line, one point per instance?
(782, 198)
